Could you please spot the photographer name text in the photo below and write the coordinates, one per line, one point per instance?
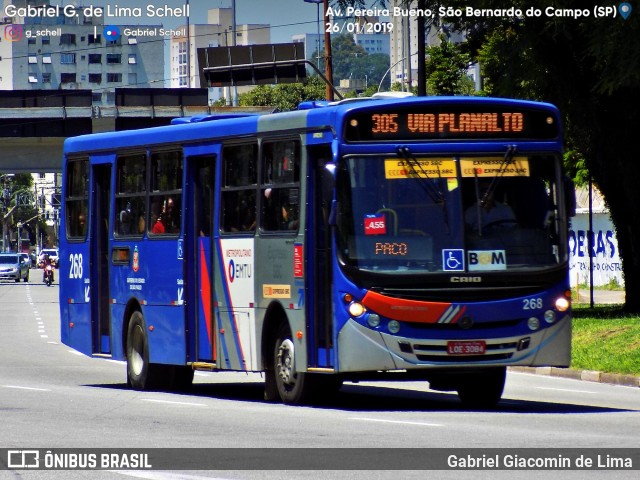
(109, 11)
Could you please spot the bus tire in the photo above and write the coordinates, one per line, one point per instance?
(482, 390)
(294, 388)
(141, 375)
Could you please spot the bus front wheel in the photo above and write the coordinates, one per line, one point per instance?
(482, 389)
(141, 375)
(293, 387)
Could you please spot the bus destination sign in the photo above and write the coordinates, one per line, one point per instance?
(451, 123)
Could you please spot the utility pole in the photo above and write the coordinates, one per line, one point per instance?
(328, 66)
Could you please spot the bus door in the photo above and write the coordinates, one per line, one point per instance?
(99, 258)
(199, 264)
(320, 297)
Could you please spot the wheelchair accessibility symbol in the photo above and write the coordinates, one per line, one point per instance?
(453, 260)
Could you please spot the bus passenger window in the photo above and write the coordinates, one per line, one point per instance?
(166, 193)
(131, 178)
(280, 195)
(239, 211)
(280, 209)
(77, 198)
(238, 199)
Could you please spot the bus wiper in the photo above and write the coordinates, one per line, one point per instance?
(506, 161)
(434, 193)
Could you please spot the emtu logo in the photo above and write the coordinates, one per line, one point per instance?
(13, 33)
(111, 33)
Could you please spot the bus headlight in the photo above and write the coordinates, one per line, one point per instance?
(356, 309)
(394, 326)
(533, 323)
(562, 304)
(373, 320)
(549, 316)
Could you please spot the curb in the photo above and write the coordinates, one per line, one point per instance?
(584, 375)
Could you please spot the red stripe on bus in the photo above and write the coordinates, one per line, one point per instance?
(205, 297)
(407, 310)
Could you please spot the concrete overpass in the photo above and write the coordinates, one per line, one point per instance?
(34, 124)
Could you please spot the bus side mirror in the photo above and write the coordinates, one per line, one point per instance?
(327, 186)
(570, 196)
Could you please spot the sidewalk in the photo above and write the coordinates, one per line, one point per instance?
(601, 296)
(584, 375)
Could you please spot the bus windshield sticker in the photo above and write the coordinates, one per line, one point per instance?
(486, 260)
(396, 168)
(490, 167)
(375, 224)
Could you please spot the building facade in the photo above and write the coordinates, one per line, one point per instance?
(217, 32)
(59, 52)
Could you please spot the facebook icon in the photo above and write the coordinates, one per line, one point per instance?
(453, 260)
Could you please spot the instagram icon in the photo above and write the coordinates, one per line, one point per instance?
(13, 33)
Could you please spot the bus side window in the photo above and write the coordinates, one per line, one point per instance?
(238, 198)
(166, 193)
(130, 194)
(77, 198)
(238, 211)
(280, 202)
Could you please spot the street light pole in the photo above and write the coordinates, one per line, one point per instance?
(318, 43)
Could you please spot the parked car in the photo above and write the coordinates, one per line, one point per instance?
(53, 256)
(13, 267)
(27, 258)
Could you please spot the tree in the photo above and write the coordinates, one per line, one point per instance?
(345, 53)
(283, 97)
(16, 197)
(446, 68)
(351, 60)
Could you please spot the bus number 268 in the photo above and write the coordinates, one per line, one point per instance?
(75, 265)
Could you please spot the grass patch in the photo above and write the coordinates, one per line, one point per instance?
(606, 339)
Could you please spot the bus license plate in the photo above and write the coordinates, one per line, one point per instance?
(467, 348)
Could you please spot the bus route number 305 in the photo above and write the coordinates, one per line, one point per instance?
(75, 265)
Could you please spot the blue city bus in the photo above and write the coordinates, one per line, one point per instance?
(383, 238)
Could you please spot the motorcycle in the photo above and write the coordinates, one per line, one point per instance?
(48, 275)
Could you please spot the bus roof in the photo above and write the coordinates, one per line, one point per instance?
(316, 115)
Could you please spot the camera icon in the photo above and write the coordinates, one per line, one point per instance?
(13, 33)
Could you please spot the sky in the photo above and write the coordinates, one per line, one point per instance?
(287, 17)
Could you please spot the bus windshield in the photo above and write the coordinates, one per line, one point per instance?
(449, 214)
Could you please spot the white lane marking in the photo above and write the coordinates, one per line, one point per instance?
(18, 387)
(75, 352)
(565, 390)
(401, 422)
(186, 404)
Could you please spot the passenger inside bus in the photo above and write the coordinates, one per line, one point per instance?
(487, 212)
(158, 226)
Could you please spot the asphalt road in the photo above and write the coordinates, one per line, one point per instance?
(52, 397)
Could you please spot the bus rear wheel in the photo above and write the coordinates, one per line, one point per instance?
(482, 389)
(141, 374)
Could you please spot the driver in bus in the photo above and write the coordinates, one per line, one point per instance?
(487, 212)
